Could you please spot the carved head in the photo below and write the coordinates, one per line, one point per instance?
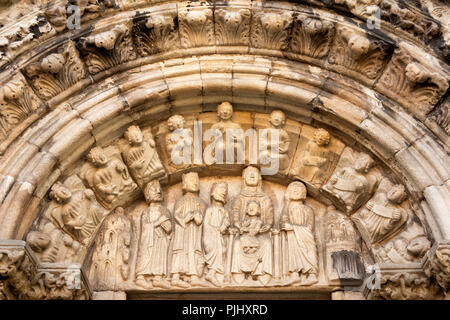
(415, 73)
(106, 40)
(153, 192)
(322, 137)
(358, 45)
(53, 63)
(219, 192)
(251, 176)
(60, 193)
(176, 122)
(314, 26)
(363, 163)
(296, 191)
(38, 241)
(97, 157)
(225, 111)
(397, 194)
(277, 119)
(196, 17)
(134, 135)
(13, 89)
(191, 182)
(233, 19)
(253, 209)
(417, 247)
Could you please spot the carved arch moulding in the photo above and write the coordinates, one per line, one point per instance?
(94, 205)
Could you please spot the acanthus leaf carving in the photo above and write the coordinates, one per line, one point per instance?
(437, 265)
(232, 26)
(56, 72)
(196, 27)
(312, 36)
(156, 33)
(271, 30)
(107, 49)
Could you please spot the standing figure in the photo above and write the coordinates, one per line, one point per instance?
(176, 125)
(215, 225)
(109, 178)
(277, 122)
(187, 255)
(156, 227)
(382, 216)
(298, 223)
(141, 157)
(252, 192)
(352, 186)
(316, 159)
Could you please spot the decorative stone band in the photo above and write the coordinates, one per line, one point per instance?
(21, 277)
(437, 264)
(401, 282)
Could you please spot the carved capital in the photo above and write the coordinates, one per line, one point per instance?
(196, 26)
(437, 264)
(271, 29)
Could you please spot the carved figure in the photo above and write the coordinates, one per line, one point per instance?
(297, 222)
(177, 123)
(154, 239)
(187, 255)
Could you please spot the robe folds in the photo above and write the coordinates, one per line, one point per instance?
(213, 241)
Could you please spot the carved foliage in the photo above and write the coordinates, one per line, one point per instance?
(438, 265)
(156, 33)
(17, 102)
(355, 51)
(107, 49)
(312, 36)
(232, 26)
(196, 27)
(271, 30)
(56, 72)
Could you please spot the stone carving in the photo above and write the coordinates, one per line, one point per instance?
(351, 186)
(314, 162)
(156, 33)
(156, 228)
(417, 85)
(311, 36)
(442, 116)
(297, 224)
(141, 156)
(353, 50)
(107, 49)
(361, 8)
(175, 125)
(232, 26)
(196, 27)
(382, 216)
(111, 257)
(187, 257)
(343, 248)
(258, 261)
(17, 102)
(438, 265)
(56, 72)
(108, 177)
(271, 30)
(215, 225)
(56, 15)
(75, 210)
(277, 122)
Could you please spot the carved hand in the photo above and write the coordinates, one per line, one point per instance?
(264, 228)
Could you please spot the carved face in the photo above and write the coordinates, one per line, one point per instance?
(191, 182)
(251, 176)
(225, 111)
(397, 194)
(277, 119)
(175, 122)
(153, 192)
(253, 209)
(98, 157)
(60, 193)
(363, 163)
(134, 135)
(322, 137)
(358, 46)
(219, 192)
(296, 191)
(418, 246)
(105, 40)
(415, 73)
(38, 241)
(53, 63)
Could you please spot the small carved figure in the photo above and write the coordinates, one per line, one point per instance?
(109, 178)
(250, 227)
(141, 157)
(277, 122)
(187, 255)
(176, 125)
(242, 262)
(352, 186)
(297, 222)
(215, 225)
(154, 240)
(382, 216)
(315, 160)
